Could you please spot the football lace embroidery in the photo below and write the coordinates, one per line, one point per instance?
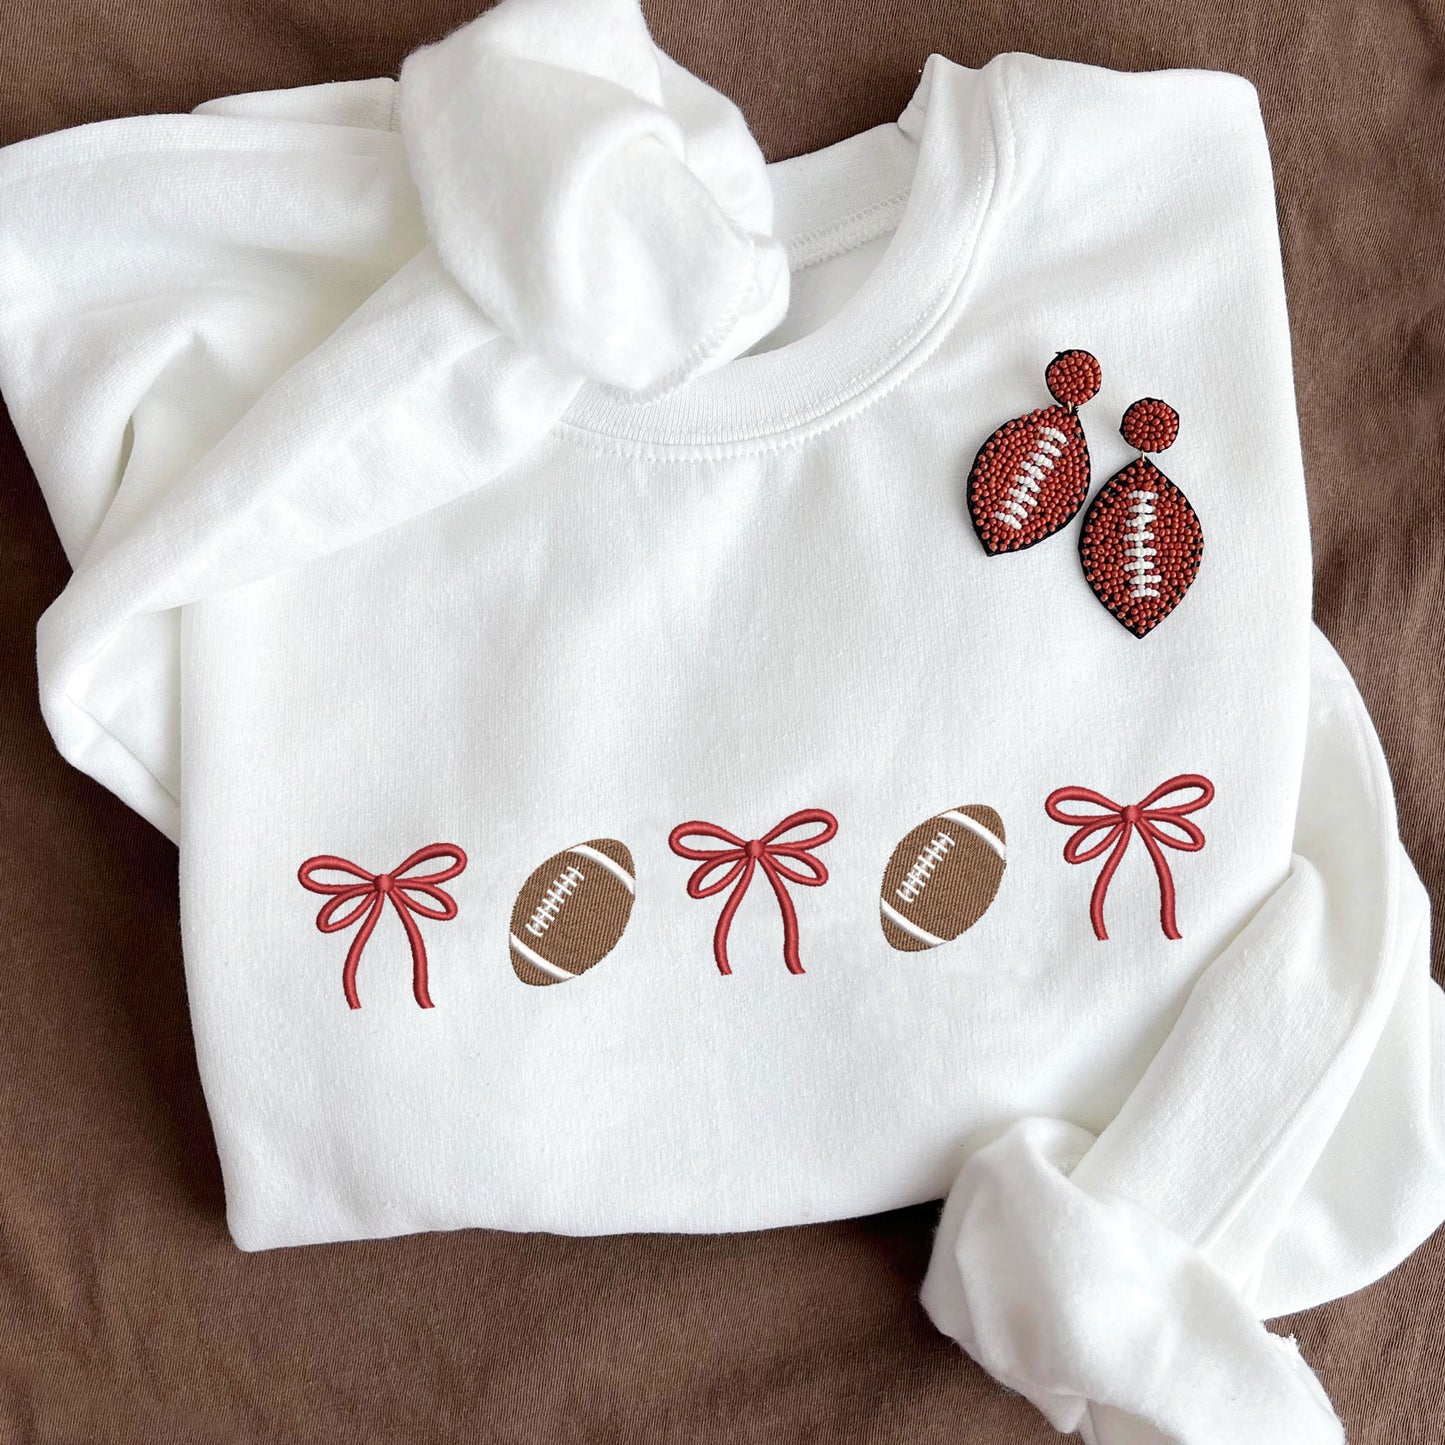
(572, 911)
(784, 861)
(1142, 542)
(1160, 825)
(942, 878)
(363, 899)
(1032, 475)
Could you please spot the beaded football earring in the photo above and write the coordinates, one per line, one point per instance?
(1142, 542)
(1031, 476)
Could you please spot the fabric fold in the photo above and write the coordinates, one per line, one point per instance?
(617, 222)
(1110, 1323)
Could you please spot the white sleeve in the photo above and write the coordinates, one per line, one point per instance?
(157, 275)
(1286, 1145)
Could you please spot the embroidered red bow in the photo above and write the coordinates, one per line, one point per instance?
(740, 860)
(369, 894)
(1149, 819)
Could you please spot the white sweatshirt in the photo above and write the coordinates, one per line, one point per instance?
(368, 561)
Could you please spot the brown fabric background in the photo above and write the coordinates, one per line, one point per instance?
(125, 1313)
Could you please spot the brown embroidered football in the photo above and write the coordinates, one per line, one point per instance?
(1031, 476)
(572, 911)
(942, 878)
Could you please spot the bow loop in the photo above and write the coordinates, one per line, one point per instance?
(813, 874)
(426, 855)
(827, 830)
(1160, 827)
(730, 866)
(730, 860)
(736, 862)
(1108, 811)
(1189, 838)
(732, 844)
(362, 901)
(1076, 852)
(335, 915)
(446, 906)
(359, 879)
(1201, 785)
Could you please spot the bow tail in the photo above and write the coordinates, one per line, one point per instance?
(790, 917)
(725, 918)
(1166, 884)
(1101, 885)
(418, 953)
(358, 947)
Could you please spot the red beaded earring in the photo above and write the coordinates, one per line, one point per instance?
(1141, 542)
(1031, 476)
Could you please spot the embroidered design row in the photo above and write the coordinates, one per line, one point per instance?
(1141, 543)
(573, 909)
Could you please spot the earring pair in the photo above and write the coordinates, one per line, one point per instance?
(1141, 542)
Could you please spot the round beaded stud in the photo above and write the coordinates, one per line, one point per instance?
(1073, 377)
(1150, 425)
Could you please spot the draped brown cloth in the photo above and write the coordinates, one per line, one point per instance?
(125, 1312)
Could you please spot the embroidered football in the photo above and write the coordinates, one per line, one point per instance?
(572, 911)
(1141, 542)
(1032, 475)
(942, 878)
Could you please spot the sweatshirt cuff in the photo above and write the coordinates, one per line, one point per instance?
(1107, 1321)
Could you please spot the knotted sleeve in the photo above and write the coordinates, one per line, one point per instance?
(157, 275)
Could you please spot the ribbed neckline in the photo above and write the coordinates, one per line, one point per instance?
(828, 201)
